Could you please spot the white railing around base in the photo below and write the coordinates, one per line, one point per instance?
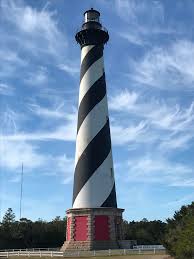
(54, 253)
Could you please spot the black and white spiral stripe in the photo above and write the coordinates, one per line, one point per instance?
(94, 184)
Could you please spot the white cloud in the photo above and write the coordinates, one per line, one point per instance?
(36, 28)
(134, 38)
(17, 147)
(139, 27)
(167, 127)
(139, 121)
(55, 112)
(124, 135)
(66, 166)
(184, 182)
(132, 11)
(7, 55)
(56, 122)
(123, 100)
(36, 37)
(126, 9)
(176, 142)
(6, 89)
(72, 69)
(14, 153)
(167, 68)
(9, 121)
(38, 77)
(63, 132)
(160, 113)
(11, 61)
(156, 169)
(172, 118)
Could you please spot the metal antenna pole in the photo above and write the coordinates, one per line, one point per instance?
(21, 191)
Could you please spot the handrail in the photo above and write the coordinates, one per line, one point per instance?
(101, 28)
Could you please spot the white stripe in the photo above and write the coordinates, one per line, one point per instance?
(94, 72)
(85, 51)
(98, 187)
(92, 124)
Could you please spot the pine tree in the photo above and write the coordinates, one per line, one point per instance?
(179, 238)
(9, 217)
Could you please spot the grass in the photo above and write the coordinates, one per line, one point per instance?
(148, 256)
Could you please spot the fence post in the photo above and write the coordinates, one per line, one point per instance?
(139, 251)
(78, 253)
(94, 254)
(7, 254)
(154, 250)
(18, 253)
(109, 252)
(51, 253)
(40, 253)
(124, 251)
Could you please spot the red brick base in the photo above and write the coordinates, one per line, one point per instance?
(93, 229)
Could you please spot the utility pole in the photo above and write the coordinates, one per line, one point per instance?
(21, 191)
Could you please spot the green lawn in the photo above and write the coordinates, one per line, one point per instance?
(100, 257)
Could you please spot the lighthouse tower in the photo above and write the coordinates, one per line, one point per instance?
(94, 222)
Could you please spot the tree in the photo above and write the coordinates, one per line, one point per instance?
(25, 233)
(9, 217)
(179, 237)
(9, 229)
(28, 234)
(185, 242)
(145, 232)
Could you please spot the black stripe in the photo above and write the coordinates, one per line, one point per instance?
(93, 55)
(92, 157)
(111, 201)
(94, 95)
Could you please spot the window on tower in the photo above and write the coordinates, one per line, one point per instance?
(91, 16)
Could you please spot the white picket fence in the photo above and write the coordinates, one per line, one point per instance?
(48, 253)
(31, 249)
(148, 247)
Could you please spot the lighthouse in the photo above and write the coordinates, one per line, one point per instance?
(94, 221)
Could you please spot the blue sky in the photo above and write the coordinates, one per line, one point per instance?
(149, 63)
